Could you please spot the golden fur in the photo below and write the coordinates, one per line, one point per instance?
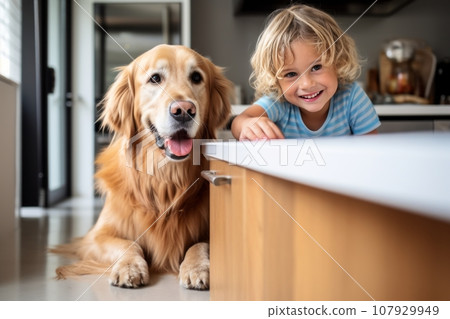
(156, 213)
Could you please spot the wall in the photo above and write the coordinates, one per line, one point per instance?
(9, 170)
(9, 178)
(229, 40)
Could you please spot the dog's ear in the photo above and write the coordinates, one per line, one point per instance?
(118, 104)
(220, 94)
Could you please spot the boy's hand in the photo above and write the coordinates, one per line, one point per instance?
(258, 128)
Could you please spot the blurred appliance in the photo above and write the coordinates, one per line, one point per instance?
(402, 79)
(406, 71)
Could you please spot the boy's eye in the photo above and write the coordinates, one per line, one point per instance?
(290, 75)
(317, 67)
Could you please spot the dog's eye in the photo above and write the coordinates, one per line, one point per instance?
(196, 77)
(155, 78)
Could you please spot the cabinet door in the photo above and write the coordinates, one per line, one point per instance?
(226, 252)
(259, 248)
(245, 239)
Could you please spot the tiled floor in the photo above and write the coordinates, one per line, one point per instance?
(27, 271)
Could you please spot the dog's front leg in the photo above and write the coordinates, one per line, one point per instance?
(194, 270)
(129, 269)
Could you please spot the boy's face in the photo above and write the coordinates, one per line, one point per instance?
(305, 81)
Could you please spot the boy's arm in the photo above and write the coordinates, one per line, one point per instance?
(375, 131)
(253, 124)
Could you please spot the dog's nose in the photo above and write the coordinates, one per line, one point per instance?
(182, 111)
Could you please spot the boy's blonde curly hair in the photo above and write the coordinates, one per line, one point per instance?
(301, 22)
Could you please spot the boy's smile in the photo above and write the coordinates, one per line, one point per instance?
(306, 82)
(312, 97)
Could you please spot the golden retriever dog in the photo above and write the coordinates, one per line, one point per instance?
(156, 212)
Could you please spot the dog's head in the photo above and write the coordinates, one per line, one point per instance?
(173, 91)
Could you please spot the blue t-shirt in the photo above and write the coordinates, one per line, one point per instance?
(350, 112)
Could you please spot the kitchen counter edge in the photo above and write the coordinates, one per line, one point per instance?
(409, 171)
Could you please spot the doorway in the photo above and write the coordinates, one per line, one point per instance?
(46, 102)
(59, 100)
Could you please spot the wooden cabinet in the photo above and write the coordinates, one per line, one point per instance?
(277, 240)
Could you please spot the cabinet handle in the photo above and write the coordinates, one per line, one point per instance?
(214, 179)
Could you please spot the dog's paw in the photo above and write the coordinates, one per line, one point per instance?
(194, 277)
(194, 270)
(130, 272)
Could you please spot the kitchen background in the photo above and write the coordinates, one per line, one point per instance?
(229, 39)
(218, 30)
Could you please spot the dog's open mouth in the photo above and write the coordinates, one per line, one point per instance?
(177, 147)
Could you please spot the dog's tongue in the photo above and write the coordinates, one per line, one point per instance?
(180, 147)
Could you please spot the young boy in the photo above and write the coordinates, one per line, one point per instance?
(304, 69)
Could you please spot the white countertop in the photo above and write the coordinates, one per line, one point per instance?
(412, 110)
(410, 171)
(391, 110)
